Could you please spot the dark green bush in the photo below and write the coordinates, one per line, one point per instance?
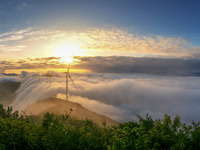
(58, 132)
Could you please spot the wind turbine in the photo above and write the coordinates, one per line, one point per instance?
(67, 81)
(48, 76)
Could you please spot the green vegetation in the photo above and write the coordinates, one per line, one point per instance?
(62, 132)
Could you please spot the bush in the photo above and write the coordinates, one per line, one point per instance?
(62, 132)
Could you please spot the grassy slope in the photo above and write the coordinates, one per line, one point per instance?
(59, 106)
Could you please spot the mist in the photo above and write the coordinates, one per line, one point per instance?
(119, 96)
(141, 94)
(8, 86)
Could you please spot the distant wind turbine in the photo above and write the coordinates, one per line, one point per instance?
(67, 81)
(48, 76)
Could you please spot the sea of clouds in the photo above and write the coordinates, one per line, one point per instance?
(119, 96)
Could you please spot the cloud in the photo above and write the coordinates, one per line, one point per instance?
(7, 39)
(9, 79)
(10, 50)
(34, 89)
(17, 32)
(29, 42)
(96, 106)
(116, 39)
(23, 6)
(137, 94)
(113, 64)
(32, 63)
(12, 38)
(122, 64)
(105, 41)
(120, 96)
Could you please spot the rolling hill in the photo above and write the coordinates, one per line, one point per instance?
(60, 106)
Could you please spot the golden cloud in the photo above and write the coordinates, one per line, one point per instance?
(107, 40)
(115, 39)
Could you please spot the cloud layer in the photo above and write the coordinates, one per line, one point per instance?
(121, 97)
(113, 64)
(101, 41)
(159, 66)
(153, 95)
(115, 39)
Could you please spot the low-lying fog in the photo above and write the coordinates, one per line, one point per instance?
(119, 96)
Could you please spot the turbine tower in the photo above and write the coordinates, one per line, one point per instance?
(67, 81)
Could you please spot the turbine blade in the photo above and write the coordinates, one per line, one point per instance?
(72, 80)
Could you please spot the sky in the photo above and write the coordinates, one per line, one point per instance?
(131, 55)
(64, 29)
(48, 34)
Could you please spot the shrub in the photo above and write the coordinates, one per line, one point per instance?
(62, 132)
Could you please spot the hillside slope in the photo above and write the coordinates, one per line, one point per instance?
(59, 106)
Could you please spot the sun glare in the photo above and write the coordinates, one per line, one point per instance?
(66, 52)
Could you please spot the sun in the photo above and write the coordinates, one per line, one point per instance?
(66, 52)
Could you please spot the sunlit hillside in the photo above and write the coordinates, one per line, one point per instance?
(61, 107)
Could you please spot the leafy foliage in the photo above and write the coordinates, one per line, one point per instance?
(62, 132)
(8, 113)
